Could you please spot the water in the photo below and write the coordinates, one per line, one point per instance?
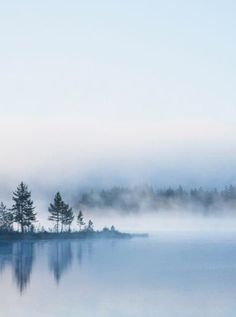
(167, 276)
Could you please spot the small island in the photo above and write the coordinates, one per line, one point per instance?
(19, 221)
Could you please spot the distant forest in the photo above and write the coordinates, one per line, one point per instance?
(147, 198)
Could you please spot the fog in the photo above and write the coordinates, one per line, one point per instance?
(62, 152)
(169, 216)
(184, 222)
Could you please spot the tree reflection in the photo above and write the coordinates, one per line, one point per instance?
(84, 250)
(20, 257)
(80, 253)
(22, 263)
(60, 258)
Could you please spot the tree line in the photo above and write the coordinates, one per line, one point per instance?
(22, 214)
(149, 198)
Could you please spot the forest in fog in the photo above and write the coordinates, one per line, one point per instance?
(148, 198)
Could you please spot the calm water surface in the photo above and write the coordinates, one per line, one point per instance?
(167, 276)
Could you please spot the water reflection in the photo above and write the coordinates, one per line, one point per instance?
(20, 257)
(131, 278)
(60, 257)
(22, 263)
(5, 255)
(80, 254)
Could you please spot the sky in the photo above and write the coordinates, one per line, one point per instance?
(98, 93)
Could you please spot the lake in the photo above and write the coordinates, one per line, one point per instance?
(166, 275)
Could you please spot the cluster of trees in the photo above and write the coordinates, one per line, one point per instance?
(146, 197)
(62, 215)
(23, 215)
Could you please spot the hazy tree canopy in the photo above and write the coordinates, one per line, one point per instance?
(146, 197)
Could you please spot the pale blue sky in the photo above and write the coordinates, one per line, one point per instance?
(115, 65)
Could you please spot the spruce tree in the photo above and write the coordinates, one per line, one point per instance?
(67, 215)
(60, 213)
(6, 218)
(80, 220)
(56, 210)
(23, 209)
(90, 225)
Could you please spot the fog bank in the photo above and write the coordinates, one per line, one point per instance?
(87, 152)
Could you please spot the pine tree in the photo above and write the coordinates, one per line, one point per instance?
(61, 213)
(6, 218)
(67, 215)
(56, 210)
(23, 208)
(80, 220)
(90, 225)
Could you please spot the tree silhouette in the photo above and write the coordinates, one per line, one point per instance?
(67, 216)
(55, 210)
(23, 208)
(6, 218)
(80, 220)
(60, 213)
(90, 225)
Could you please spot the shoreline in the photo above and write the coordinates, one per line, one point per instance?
(18, 236)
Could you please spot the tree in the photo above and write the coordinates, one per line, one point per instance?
(67, 215)
(23, 209)
(56, 210)
(113, 228)
(80, 220)
(90, 225)
(60, 212)
(6, 218)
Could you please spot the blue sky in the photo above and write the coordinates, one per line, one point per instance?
(104, 84)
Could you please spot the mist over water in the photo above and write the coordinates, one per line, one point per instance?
(165, 222)
(171, 220)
